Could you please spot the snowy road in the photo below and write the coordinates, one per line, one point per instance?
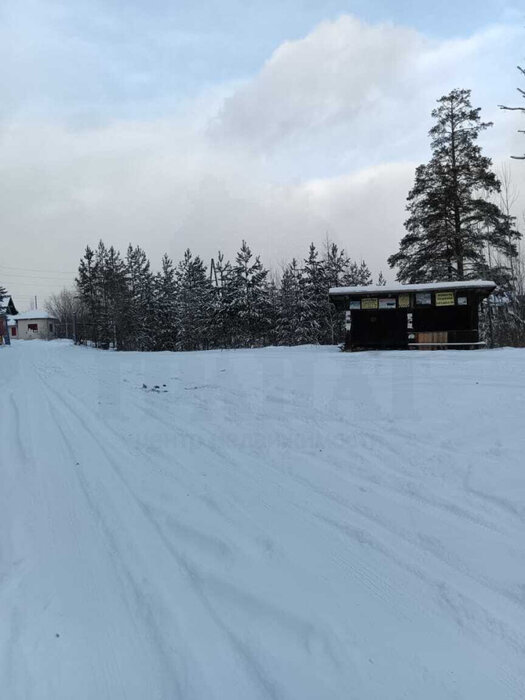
(283, 523)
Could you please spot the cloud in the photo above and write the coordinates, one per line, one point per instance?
(351, 94)
(324, 140)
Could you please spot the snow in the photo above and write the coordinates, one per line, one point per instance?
(34, 314)
(422, 287)
(291, 523)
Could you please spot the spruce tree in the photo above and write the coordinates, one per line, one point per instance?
(335, 271)
(246, 298)
(89, 294)
(296, 322)
(452, 219)
(316, 295)
(194, 303)
(116, 295)
(220, 335)
(359, 274)
(335, 265)
(139, 317)
(165, 307)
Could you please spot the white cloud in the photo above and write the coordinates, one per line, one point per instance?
(324, 140)
(352, 94)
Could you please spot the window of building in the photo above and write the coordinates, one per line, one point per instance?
(50, 327)
(13, 331)
(32, 326)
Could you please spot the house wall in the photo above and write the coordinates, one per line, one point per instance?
(46, 328)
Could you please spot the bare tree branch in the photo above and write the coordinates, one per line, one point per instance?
(517, 109)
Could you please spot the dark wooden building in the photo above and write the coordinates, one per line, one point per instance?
(412, 316)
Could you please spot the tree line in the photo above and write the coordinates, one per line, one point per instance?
(460, 226)
(120, 302)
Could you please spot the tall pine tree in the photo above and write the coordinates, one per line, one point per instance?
(296, 323)
(452, 219)
(194, 303)
(139, 317)
(246, 299)
(165, 307)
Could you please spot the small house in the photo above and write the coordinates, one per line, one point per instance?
(35, 324)
(425, 316)
(7, 311)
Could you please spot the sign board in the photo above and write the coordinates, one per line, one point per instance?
(445, 299)
(403, 301)
(424, 299)
(387, 304)
(369, 304)
(462, 301)
(354, 305)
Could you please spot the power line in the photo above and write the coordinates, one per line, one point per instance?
(29, 269)
(40, 284)
(33, 277)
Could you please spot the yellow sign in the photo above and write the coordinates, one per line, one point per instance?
(369, 304)
(445, 299)
(404, 301)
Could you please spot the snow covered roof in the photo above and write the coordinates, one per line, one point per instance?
(6, 304)
(34, 314)
(423, 287)
(11, 321)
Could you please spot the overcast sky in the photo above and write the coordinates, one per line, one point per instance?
(174, 124)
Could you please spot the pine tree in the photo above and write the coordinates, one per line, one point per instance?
(194, 303)
(219, 331)
(316, 295)
(102, 283)
(117, 299)
(296, 323)
(165, 307)
(451, 223)
(139, 318)
(336, 265)
(246, 300)
(89, 294)
(381, 281)
(357, 275)
(269, 336)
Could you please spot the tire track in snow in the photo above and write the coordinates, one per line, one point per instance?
(267, 686)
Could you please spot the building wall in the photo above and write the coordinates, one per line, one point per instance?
(46, 328)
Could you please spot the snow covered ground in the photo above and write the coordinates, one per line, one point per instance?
(279, 523)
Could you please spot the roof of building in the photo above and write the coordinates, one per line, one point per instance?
(7, 305)
(485, 285)
(34, 314)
